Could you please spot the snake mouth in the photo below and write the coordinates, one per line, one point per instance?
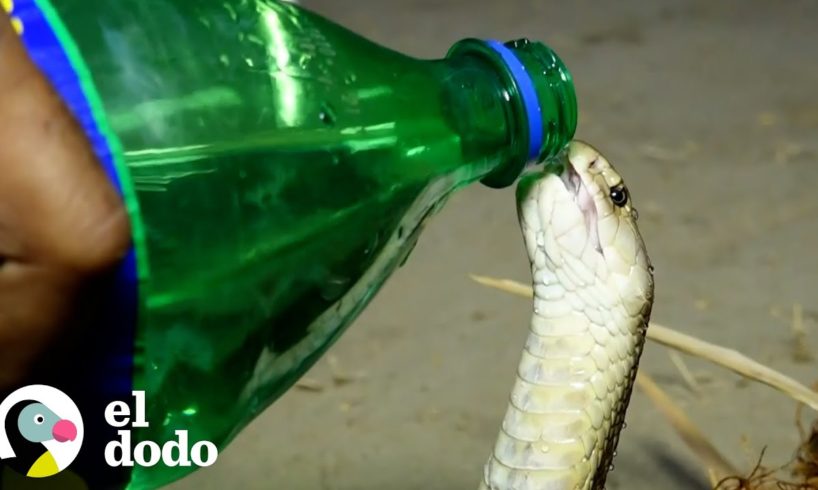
(585, 202)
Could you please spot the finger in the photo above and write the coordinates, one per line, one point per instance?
(61, 221)
(57, 206)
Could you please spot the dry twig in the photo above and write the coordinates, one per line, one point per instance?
(721, 356)
(716, 465)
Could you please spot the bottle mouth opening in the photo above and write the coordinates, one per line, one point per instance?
(561, 94)
(543, 94)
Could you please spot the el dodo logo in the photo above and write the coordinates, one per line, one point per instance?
(40, 431)
(148, 453)
(41, 434)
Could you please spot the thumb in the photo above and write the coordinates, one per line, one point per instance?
(61, 221)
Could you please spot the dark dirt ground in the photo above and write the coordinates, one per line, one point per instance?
(709, 110)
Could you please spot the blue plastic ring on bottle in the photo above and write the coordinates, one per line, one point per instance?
(527, 93)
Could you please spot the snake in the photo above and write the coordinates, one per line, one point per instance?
(593, 295)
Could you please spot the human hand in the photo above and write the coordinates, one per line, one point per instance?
(61, 221)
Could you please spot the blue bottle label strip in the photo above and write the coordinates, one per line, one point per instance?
(527, 93)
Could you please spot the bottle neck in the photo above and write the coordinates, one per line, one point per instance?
(517, 97)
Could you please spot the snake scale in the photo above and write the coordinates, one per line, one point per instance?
(593, 295)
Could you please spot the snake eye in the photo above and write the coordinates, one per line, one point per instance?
(619, 195)
(39, 419)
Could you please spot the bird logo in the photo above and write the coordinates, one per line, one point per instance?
(41, 431)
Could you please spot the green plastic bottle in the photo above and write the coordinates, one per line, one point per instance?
(277, 169)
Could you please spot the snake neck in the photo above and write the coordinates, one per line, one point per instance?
(571, 392)
(602, 344)
(608, 452)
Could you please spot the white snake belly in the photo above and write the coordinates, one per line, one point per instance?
(593, 290)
